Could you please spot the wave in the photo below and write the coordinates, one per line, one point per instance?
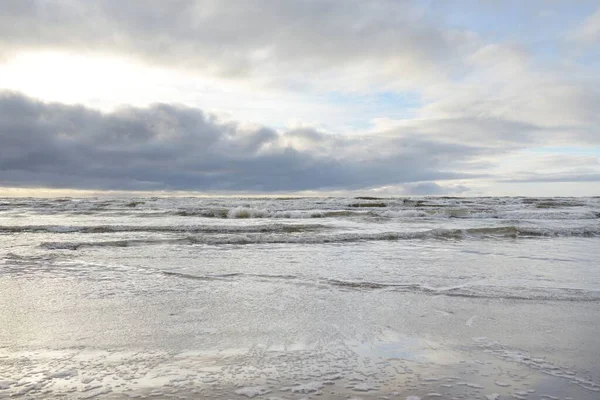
(432, 212)
(491, 214)
(249, 212)
(510, 232)
(283, 228)
(475, 289)
(547, 215)
(481, 291)
(214, 277)
(362, 207)
(405, 214)
(467, 291)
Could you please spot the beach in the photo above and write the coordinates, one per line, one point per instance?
(189, 297)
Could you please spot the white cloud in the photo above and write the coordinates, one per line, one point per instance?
(588, 33)
(346, 45)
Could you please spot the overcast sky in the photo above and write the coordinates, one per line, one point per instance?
(385, 97)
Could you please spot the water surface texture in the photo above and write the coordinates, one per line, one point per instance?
(452, 298)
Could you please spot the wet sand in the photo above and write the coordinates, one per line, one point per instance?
(384, 344)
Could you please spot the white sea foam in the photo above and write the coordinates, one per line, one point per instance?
(252, 391)
(305, 388)
(404, 214)
(247, 212)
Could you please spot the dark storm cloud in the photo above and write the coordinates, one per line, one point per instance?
(173, 147)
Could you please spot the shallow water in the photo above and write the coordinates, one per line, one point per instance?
(287, 298)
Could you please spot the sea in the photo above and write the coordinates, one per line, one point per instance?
(294, 297)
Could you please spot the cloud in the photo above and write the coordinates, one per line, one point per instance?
(549, 167)
(585, 177)
(350, 44)
(588, 32)
(432, 188)
(460, 75)
(381, 94)
(169, 147)
(174, 147)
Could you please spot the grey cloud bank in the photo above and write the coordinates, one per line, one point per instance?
(168, 147)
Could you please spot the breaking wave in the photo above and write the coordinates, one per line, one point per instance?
(249, 212)
(392, 213)
(510, 232)
(283, 228)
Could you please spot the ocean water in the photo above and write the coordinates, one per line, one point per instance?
(288, 298)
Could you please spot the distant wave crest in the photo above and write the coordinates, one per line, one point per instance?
(257, 237)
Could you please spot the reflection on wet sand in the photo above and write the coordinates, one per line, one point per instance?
(392, 366)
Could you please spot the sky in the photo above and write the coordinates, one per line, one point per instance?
(318, 97)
